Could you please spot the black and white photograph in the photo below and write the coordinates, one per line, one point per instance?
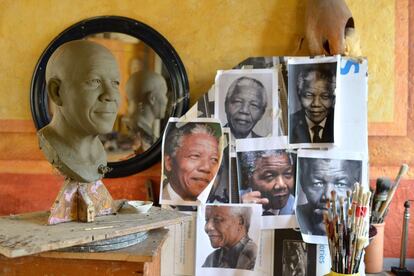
(293, 257)
(228, 238)
(319, 174)
(246, 100)
(266, 174)
(191, 157)
(258, 63)
(220, 192)
(205, 104)
(234, 184)
(311, 102)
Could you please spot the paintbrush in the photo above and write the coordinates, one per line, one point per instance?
(383, 186)
(328, 229)
(333, 197)
(384, 206)
(347, 240)
(361, 241)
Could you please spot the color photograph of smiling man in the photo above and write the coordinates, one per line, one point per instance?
(191, 158)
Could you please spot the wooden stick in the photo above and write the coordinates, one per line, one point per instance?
(403, 170)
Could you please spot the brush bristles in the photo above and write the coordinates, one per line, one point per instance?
(383, 185)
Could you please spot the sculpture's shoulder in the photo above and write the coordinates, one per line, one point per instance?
(47, 148)
(65, 158)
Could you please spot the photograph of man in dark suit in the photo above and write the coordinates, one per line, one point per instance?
(314, 121)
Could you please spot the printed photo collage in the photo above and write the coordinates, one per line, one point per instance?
(263, 150)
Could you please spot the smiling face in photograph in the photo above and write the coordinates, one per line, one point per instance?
(223, 228)
(273, 177)
(244, 106)
(316, 95)
(194, 165)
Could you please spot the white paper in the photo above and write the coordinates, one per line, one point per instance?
(177, 255)
(264, 263)
(351, 117)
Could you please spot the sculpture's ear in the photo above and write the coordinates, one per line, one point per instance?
(53, 90)
(151, 98)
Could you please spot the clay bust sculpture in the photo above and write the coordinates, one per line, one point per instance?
(82, 81)
(147, 96)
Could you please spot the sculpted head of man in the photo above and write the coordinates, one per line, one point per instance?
(150, 89)
(82, 80)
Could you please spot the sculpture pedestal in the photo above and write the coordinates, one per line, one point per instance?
(78, 201)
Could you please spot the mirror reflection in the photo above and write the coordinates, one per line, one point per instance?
(145, 92)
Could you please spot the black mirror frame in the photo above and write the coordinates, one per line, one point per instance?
(170, 58)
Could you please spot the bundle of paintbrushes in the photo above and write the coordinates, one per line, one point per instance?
(384, 193)
(346, 222)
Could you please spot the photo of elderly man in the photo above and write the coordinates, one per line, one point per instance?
(227, 228)
(312, 120)
(318, 177)
(244, 102)
(245, 105)
(191, 159)
(268, 178)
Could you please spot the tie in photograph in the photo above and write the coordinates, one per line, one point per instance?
(316, 137)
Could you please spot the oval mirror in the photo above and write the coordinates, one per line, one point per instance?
(154, 87)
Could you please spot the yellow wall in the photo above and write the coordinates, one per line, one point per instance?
(207, 34)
